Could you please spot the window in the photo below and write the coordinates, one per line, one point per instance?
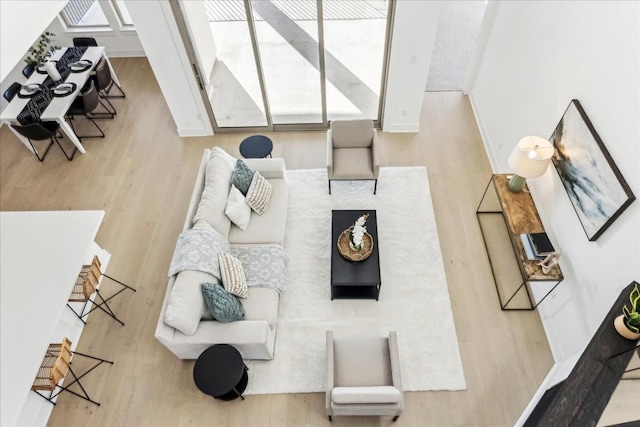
(123, 14)
(84, 13)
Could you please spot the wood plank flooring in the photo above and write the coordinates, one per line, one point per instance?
(142, 173)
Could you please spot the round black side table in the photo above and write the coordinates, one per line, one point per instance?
(220, 372)
(256, 147)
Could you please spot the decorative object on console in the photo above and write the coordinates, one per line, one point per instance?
(348, 252)
(628, 323)
(529, 159)
(596, 188)
(549, 261)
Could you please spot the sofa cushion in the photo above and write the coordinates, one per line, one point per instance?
(259, 194)
(224, 306)
(237, 209)
(262, 304)
(270, 227)
(379, 394)
(241, 176)
(353, 163)
(216, 190)
(186, 306)
(361, 361)
(232, 275)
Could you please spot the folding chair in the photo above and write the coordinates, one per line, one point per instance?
(54, 368)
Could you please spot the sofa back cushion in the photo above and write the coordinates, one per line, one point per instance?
(356, 133)
(186, 306)
(216, 190)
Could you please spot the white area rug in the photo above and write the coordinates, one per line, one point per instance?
(414, 299)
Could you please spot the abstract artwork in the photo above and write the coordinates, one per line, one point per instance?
(595, 186)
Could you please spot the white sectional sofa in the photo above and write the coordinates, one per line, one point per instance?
(185, 325)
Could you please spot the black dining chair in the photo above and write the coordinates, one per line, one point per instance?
(106, 83)
(84, 41)
(40, 132)
(84, 104)
(12, 91)
(29, 69)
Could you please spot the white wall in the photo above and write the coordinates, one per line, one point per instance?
(539, 56)
(21, 23)
(163, 45)
(414, 33)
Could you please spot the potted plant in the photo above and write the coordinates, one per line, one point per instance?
(628, 323)
(42, 49)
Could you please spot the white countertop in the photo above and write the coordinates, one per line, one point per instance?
(41, 254)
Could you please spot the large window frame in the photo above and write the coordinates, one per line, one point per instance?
(114, 12)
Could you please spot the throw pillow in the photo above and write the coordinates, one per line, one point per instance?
(232, 274)
(241, 176)
(259, 194)
(224, 306)
(237, 209)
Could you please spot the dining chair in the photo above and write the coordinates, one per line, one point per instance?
(84, 104)
(40, 132)
(106, 82)
(12, 91)
(29, 69)
(87, 284)
(84, 41)
(55, 366)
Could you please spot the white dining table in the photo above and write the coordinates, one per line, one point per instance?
(59, 106)
(41, 254)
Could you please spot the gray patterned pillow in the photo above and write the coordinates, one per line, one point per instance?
(224, 306)
(241, 176)
(259, 194)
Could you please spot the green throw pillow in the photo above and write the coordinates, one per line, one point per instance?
(241, 176)
(224, 306)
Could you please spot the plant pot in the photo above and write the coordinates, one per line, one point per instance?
(623, 330)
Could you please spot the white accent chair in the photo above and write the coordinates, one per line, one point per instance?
(352, 151)
(363, 376)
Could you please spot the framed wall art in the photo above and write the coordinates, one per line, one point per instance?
(596, 188)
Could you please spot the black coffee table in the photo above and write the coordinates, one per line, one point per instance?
(354, 279)
(256, 147)
(220, 372)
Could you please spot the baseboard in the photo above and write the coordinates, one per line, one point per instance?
(405, 128)
(483, 133)
(187, 132)
(131, 53)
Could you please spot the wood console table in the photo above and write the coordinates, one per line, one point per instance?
(503, 216)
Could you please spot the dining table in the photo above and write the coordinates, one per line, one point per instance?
(47, 104)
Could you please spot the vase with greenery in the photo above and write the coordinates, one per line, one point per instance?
(628, 324)
(43, 49)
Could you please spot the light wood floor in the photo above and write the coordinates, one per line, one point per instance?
(142, 175)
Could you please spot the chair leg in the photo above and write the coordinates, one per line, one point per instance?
(45, 151)
(104, 304)
(73, 153)
(396, 418)
(329, 186)
(108, 89)
(375, 187)
(330, 418)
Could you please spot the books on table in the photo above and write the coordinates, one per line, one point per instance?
(536, 245)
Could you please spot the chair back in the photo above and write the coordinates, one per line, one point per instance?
(103, 76)
(356, 133)
(34, 131)
(12, 91)
(84, 41)
(54, 367)
(90, 98)
(29, 69)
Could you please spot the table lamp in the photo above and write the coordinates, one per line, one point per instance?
(529, 159)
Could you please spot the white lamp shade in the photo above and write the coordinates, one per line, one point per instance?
(531, 157)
